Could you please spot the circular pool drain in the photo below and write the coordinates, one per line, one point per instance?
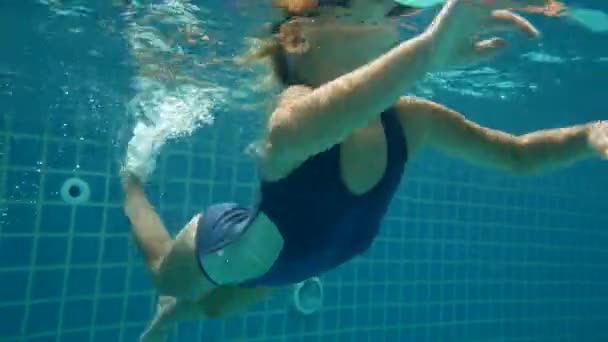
(75, 191)
(307, 296)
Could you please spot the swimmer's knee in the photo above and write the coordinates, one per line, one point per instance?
(159, 276)
(153, 265)
(178, 273)
(153, 252)
(172, 281)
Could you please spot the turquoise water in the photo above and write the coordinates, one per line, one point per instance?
(464, 255)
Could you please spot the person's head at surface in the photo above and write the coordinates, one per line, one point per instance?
(319, 40)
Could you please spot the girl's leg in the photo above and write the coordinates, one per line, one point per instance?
(169, 311)
(151, 236)
(216, 304)
(172, 264)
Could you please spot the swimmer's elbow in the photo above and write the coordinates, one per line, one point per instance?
(518, 167)
(278, 146)
(285, 143)
(171, 285)
(521, 161)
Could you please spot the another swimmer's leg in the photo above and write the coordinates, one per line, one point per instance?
(150, 234)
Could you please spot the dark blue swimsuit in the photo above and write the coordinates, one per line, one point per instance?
(322, 223)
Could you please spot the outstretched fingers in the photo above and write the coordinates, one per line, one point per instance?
(508, 4)
(505, 20)
(501, 21)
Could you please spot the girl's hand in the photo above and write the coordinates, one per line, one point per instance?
(598, 138)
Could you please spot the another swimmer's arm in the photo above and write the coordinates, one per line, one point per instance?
(532, 153)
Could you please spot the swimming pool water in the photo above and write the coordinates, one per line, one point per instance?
(464, 255)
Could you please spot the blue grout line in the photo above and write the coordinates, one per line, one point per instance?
(102, 238)
(35, 238)
(4, 152)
